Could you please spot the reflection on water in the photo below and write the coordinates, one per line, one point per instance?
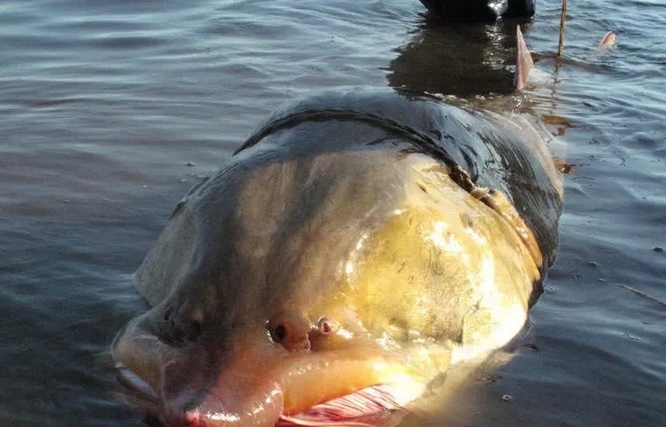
(456, 59)
(111, 110)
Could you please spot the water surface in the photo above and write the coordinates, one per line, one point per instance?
(110, 111)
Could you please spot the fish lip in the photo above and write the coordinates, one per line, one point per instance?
(141, 395)
(138, 393)
(135, 391)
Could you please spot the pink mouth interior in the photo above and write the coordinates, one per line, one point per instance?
(373, 406)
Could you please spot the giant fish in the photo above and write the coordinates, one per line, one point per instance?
(355, 247)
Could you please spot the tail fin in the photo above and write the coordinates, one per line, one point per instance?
(524, 63)
(607, 42)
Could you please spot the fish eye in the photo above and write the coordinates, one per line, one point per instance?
(195, 329)
(326, 325)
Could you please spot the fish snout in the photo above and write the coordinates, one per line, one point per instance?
(229, 405)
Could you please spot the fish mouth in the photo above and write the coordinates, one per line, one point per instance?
(376, 405)
(258, 383)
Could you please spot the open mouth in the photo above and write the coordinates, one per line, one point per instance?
(377, 406)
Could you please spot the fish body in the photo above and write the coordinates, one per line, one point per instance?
(352, 250)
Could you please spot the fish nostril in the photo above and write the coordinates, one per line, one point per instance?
(290, 330)
(279, 334)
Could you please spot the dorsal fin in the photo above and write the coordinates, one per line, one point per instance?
(524, 63)
(607, 42)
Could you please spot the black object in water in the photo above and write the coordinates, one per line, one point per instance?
(479, 10)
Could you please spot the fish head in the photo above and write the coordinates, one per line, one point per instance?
(319, 288)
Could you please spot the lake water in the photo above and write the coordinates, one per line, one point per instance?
(111, 110)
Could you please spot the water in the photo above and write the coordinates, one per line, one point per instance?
(110, 111)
